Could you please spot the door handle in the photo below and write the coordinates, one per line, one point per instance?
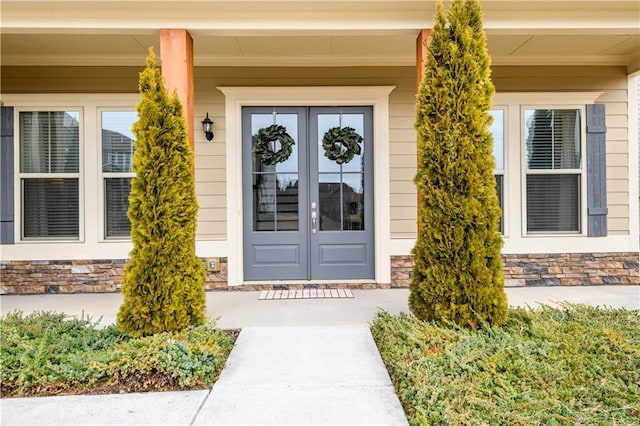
(313, 222)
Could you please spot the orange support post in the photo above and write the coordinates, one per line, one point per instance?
(176, 54)
(422, 41)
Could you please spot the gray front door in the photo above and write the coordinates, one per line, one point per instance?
(306, 217)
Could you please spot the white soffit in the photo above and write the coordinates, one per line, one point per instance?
(574, 45)
(311, 32)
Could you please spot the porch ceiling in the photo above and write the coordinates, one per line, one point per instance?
(311, 32)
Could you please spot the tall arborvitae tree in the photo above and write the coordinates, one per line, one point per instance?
(457, 274)
(163, 283)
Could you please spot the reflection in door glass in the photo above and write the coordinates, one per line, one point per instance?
(341, 186)
(286, 202)
(275, 202)
(341, 202)
(353, 201)
(275, 187)
(264, 202)
(330, 202)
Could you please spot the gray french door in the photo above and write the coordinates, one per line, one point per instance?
(307, 217)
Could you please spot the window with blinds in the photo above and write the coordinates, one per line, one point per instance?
(49, 174)
(497, 130)
(553, 161)
(117, 170)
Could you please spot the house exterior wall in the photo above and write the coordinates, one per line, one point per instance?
(211, 169)
(612, 81)
(210, 157)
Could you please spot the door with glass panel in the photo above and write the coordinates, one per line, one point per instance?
(307, 214)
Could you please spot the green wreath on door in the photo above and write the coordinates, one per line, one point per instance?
(341, 144)
(265, 137)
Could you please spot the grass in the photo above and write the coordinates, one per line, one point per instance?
(48, 353)
(553, 366)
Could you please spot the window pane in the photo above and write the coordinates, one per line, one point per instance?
(553, 203)
(287, 202)
(49, 141)
(497, 129)
(50, 208)
(117, 141)
(552, 139)
(329, 190)
(500, 191)
(290, 122)
(353, 201)
(328, 121)
(264, 202)
(116, 205)
(275, 202)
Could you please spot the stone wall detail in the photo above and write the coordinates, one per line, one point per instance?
(77, 276)
(549, 269)
(570, 269)
(104, 276)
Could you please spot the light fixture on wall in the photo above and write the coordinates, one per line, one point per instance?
(207, 125)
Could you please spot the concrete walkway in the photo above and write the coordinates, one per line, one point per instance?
(309, 361)
(154, 408)
(303, 376)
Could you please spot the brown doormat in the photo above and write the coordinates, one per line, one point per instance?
(313, 293)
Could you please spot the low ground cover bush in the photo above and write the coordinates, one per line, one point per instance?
(567, 365)
(48, 353)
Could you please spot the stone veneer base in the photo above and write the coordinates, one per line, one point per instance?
(103, 276)
(549, 269)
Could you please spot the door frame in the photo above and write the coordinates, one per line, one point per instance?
(238, 97)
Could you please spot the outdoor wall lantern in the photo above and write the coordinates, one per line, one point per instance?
(207, 125)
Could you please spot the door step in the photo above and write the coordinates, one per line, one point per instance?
(313, 293)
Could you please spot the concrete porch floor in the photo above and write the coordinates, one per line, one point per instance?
(237, 309)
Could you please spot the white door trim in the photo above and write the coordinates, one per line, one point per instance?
(376, 96)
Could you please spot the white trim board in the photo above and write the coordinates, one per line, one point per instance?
(545, 244)
(375, 96)
(633, 95)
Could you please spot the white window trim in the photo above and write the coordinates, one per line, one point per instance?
(582, 171)
(102, 220)
(518, 241)
(89, 246)
(376, 96)
(633, 91)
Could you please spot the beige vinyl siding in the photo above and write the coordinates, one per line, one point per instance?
(610, 80)
(210, 167)
(613, 82)
(212, 224)
(402, 157)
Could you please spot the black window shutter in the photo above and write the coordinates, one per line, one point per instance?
(6, 175)
(596, 171)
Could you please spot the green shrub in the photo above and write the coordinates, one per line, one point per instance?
(47, 352)
(569, 365)
(457, 273)
(163, 282)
